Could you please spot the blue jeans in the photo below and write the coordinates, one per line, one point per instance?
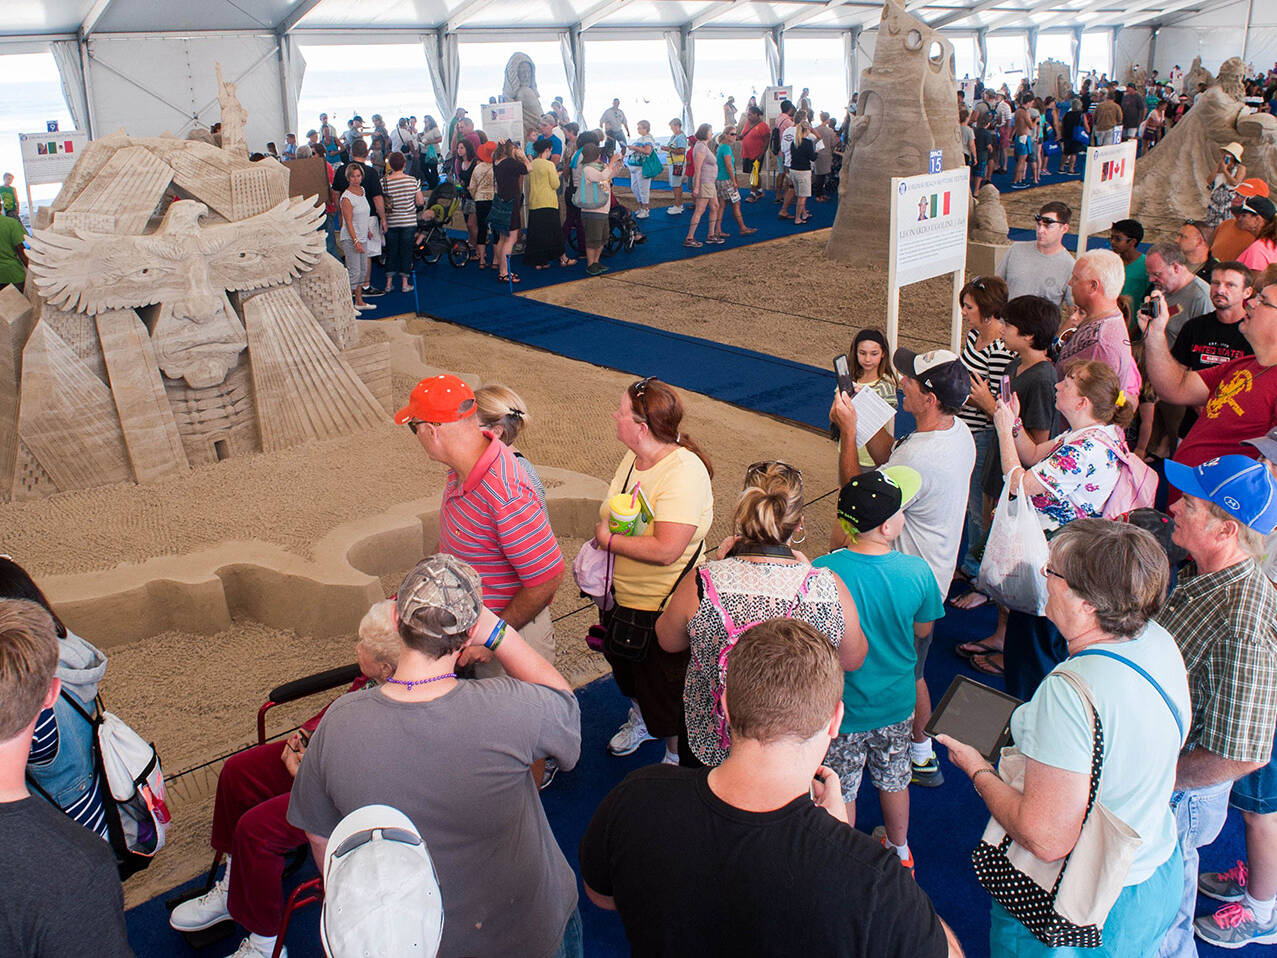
(1136, 923)
(1199, 816)
(986, 444)
(331, 226)
(571, 946)
(1034, 647)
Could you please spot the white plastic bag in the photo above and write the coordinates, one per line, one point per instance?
(1011, 570)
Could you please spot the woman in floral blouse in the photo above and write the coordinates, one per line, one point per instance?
(1066, 478)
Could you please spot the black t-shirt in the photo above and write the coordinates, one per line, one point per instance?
(802, 154)
(1202, 342)
(371, 183)
(1207, 268)
(1036, 389)
(62, 894)
(506, 176)
(692, 875)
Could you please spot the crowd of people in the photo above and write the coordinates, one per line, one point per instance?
(1127, 400)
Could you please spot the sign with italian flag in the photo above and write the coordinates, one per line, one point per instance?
(929, 225)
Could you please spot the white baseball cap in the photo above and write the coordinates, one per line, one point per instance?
(381, 893)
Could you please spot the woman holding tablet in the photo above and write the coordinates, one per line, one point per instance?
(1105, 580)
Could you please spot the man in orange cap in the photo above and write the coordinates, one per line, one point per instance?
(1238, 231)
(490, 515)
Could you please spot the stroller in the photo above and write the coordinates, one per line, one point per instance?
(623, 231)
(432, 240)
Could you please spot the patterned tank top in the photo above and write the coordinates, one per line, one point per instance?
(750, 592)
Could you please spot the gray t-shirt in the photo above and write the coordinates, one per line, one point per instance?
(458, 767)
(1192, 300)
(933, 520)
(1029, 273)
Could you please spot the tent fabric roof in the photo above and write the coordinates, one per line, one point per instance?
(34, 18)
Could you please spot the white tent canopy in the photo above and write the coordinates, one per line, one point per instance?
(147, 64)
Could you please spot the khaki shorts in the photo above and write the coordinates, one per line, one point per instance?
(706, 190)
(801, 179)
(539, 633)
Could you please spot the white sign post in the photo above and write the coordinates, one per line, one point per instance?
(503, 121)
(928, 238)
(773, 96)
(1106, 189)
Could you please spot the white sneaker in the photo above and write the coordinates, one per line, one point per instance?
(641, 214)
(205, 911)
(246, 950)
(365, 307)
(630, 735)
(673, 210)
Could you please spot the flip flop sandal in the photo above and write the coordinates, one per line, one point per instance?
(985, 663)
(967, 649)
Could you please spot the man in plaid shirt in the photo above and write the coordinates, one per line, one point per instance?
(1223, 615)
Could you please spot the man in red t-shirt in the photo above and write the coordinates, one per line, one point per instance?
(1238, 399)
(753, 148)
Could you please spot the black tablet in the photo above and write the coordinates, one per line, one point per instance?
(975, 715)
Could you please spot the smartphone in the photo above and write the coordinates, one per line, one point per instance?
(1004, 389)
(842, 369)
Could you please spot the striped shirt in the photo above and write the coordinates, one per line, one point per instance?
(86, 809)
(401, 191)
(989, 364)
(1225, 624)
(495, 522)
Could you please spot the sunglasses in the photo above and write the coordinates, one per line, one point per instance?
(757, 470)
(1046, 221)
(390, 834)
(640, 394)
(413, 424)
(978, 282)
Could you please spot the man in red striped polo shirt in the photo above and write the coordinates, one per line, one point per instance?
(490, 515)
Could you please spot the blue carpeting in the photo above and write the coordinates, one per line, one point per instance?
(946, 823)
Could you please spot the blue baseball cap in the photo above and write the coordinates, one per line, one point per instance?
(1242, 487)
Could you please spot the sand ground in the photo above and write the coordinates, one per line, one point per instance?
(197, 695)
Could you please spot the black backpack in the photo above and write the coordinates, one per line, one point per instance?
(776, 140)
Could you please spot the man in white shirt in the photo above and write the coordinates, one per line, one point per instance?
(941, 450)
(615, 124)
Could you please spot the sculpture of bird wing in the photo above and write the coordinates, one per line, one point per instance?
(268, 249)
(95, 272)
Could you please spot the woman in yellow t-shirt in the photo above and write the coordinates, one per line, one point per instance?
(674, 476)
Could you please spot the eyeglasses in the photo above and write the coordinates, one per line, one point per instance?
(757, 470)
(1259, 298)
(640, 394)
(1047, 571)
(1046, 221)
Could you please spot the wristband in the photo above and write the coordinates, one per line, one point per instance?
(498, 633)
(1017, 427)
(985, 769)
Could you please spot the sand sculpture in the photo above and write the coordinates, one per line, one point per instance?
(1053, 80)
(988, 219)
(1174, 177)
(180, 310)
(521, 87)
(1197, 75)
(904, 112)
(1135, 74)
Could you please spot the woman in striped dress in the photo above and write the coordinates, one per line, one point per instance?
(986, 358)
(403, 197)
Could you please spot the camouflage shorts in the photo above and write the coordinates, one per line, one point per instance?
(887, 752)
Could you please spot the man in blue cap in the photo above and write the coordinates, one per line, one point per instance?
(1223, 615)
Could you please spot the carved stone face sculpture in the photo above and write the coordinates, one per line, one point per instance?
(187, 269)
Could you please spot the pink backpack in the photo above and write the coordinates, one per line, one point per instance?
(734, 632)
(1136, 481)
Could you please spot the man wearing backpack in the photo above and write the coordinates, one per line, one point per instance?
(898, 601)
(778, 131)
(60, 881)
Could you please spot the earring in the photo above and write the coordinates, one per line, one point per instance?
(798, 542)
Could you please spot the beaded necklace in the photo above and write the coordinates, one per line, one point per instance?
(415, 682)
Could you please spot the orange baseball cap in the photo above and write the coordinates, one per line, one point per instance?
(441, 398)
(1252, 187)
(486, 150)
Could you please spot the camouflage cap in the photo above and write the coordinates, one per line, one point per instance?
(441, 597)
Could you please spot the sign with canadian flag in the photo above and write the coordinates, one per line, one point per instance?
(1106, 189)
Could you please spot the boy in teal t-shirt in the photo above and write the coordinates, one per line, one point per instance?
(897, 601)
(9, 197)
